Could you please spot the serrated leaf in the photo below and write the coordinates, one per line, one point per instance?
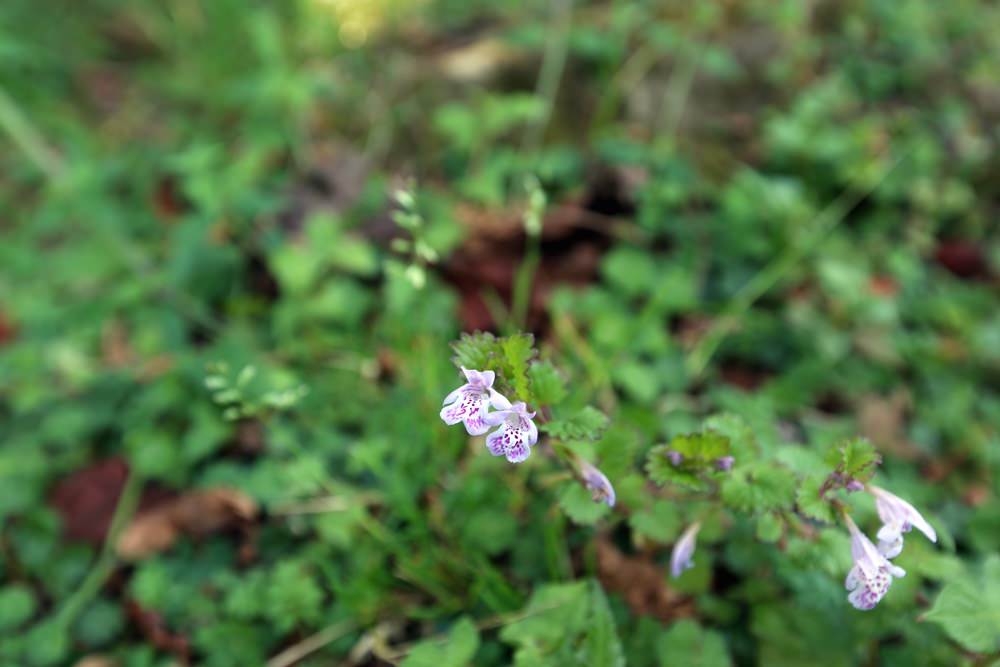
(968, 609)
(547, 386)
(663, 472)
(518, 351)
(579, 505)
(603, 648)
(478, 351)
(810, 504)
(759, 489)
(704, 447)
(742, 441)
(585, 424)
(854, 459)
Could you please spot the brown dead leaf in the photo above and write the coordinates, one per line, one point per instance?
(96, 661)
(155, 630)
(641, 582)
(197, 514)
(86, 499)
(882, 419)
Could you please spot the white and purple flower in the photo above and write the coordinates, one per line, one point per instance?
(871, 575)
(469, 403)
(598, 484)
(898, 517)
(681, 556)
(517, 432)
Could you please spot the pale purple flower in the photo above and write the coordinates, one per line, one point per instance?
(675, 457)
(680, 557)
(869, 578)
(724, 463)
(854, 486)
(898, 517)
(469, 403)
(517, 432)
(598, 484)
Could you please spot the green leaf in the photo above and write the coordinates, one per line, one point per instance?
(99, 623)
(553, 617)
(810, 504)
(758, 489)
(456, 650)
(17, 605)
(742, 441)
(566, 624)
(518, 351)
(690, 645)
(855, 459)
(477, 351)
(969, 609)
(769, 527)
(603, 647)
(703, 447)
(699, 452)
(660, 523)
(663, 472)
(547, 387)
(579, 505)
(585, 424)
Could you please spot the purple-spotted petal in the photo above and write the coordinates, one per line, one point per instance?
(871, 575)
(494, 442)
(510, 441)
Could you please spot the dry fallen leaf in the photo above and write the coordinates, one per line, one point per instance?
(96, 661)
(642, 583)
(196, 513)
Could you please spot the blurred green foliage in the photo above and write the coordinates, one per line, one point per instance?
(806, 248)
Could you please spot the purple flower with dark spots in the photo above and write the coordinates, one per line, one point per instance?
(681, 556)
(469, 403)
(724, 463)
(676, 458)
(517, 432)
(598, 484)
(871, 575)
(898, 517)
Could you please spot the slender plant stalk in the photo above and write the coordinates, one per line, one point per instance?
(524, 280)
(311, 644)
(128, 501)
(550, 74)
(773, 273)
(27, 138)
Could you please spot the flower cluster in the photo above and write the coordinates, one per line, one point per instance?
(871, 574)
(470, 404)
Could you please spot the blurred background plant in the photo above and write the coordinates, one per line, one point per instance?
(780, 211)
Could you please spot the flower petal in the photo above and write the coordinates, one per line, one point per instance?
(476, 424)
(469, 404)
(494, 442)
(453, 396)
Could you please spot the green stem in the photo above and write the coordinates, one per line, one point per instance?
(128, 501)
(553, 64)
(27, 138)
(774, 272)
(524, 280)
